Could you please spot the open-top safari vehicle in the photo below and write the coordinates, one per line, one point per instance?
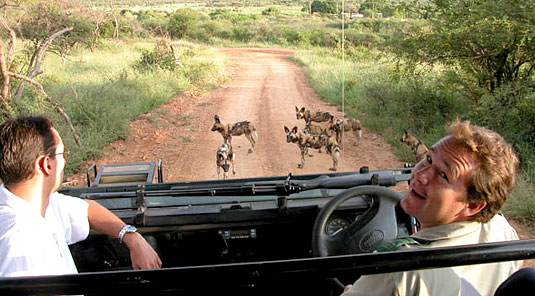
(286, 234)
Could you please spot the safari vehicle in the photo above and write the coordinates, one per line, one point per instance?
(287, 234)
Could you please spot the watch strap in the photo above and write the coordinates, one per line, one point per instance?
(126, 229)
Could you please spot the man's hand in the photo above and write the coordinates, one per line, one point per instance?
(142, 254)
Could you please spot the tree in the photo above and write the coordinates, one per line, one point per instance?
(323, 7)
(181, 22)
(492, 41)
(12, 65)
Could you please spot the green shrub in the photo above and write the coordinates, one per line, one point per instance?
(367, 40)
(294, 36)
(271, 11)
(242, 34)
(181, 22)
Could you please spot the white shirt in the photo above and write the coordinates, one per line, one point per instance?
(33, 245)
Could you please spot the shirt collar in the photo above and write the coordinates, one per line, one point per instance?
(7, 198)
(447, 231)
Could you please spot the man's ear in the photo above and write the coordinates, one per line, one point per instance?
(43, 164)
(475, 207)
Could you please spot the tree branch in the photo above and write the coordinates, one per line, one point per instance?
(5, 75)
(51, 101)
(39, 57)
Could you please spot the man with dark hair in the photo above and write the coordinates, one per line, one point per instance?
(455, 193)
(36, 222)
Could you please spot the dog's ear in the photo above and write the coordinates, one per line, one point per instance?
(216, 118)
(286, 129)
(302, 109)
(294, 130)
(296, 109)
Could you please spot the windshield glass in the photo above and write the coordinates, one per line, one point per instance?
(193, 91)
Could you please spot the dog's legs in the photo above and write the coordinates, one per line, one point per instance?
(335, 153)
(232, 163)
(218, 171)
(304, 151)
(251, 140)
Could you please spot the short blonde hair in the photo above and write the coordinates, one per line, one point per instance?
(494, 178)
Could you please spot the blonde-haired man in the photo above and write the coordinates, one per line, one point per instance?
(455, 194)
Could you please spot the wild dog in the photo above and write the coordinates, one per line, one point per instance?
(245, 127)
(225, 159)
(308, 116)
(347, 124)
(306, 141)
(319, 128)
(418, 147)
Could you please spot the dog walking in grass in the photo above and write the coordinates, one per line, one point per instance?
(225, 159)
(418, 147)
(318, 116)
(347, 124)
(307, 141)
(245, 127)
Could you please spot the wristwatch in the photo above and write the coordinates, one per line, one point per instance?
(127, 228)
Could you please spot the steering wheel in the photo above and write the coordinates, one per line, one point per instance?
(378, 223)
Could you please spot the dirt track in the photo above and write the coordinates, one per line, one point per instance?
(264, 88)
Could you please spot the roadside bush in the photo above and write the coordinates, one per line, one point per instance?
(368, 40)
(160, 58)
(511, 111)
(269, 34)
(294, 36)
(319, 37)
(181, 22)
(271, 11)
(152, 21)
(234, 17)
(242, 34)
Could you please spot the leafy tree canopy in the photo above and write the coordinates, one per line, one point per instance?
(492, 41)
(324, 6)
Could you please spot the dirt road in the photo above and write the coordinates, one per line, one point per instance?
(265, 87)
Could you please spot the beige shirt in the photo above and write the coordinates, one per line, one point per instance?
(446, 281)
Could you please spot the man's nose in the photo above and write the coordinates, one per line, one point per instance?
(421, 174)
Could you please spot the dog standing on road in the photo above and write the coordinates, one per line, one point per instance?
(347, 124)
(245, 127)
(418, 147)
(306, 141)
(319, 128)
(225, 159)
(308, 116)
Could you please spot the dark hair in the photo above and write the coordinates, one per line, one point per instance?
(22, 141)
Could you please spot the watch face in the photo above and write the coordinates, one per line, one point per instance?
(130, 228)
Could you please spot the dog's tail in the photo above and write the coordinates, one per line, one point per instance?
(255, 135)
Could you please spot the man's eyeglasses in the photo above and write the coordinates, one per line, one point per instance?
(65, 153)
